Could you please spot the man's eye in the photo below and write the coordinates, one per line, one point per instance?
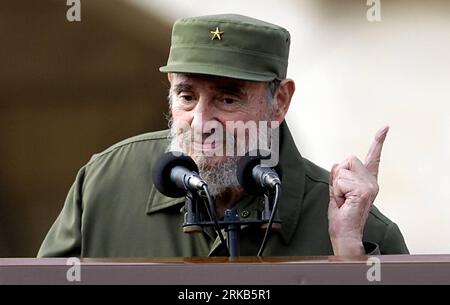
(229, 101)
(187, 98)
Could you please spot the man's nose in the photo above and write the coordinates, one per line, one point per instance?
(203, 113)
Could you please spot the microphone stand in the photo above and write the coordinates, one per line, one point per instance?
(267, 212)
(194, 220)
(192, 217)
(233, 231)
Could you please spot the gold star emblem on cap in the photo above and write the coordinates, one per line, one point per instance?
(216, 34)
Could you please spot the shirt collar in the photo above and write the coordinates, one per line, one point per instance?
(293, 187)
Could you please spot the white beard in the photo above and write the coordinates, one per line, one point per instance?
(219, 176)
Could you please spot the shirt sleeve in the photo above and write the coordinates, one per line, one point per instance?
(64, 237)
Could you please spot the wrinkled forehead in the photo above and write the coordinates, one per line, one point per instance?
(182, 81)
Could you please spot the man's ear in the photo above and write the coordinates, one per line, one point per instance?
(282, 99)
(169, 77)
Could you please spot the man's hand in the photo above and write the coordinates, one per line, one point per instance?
(353, 188)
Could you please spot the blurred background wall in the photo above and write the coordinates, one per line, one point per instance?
(68, 90)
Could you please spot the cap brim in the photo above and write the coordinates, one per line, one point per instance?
(217, 70)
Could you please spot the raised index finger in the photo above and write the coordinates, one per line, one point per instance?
(373, 157)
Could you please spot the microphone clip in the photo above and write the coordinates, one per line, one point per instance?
(193, 216)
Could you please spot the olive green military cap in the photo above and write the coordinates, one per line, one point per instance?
(229, 45)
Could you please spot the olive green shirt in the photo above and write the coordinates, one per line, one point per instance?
(114, 210)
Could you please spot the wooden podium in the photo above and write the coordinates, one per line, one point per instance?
(402, 269)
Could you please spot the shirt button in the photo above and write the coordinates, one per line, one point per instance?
(245, 214)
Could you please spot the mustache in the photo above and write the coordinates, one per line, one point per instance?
(186, 137)
(202, 137)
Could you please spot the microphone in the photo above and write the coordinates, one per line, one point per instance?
(175, 173)
(254, 177)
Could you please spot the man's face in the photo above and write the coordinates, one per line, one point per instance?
(201, 109)
(207, 104)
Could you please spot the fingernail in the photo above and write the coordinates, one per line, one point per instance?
(382, 133)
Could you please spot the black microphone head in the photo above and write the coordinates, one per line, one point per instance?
(162, 169)
(244, 171)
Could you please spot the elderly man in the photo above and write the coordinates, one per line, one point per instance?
(222, 68)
